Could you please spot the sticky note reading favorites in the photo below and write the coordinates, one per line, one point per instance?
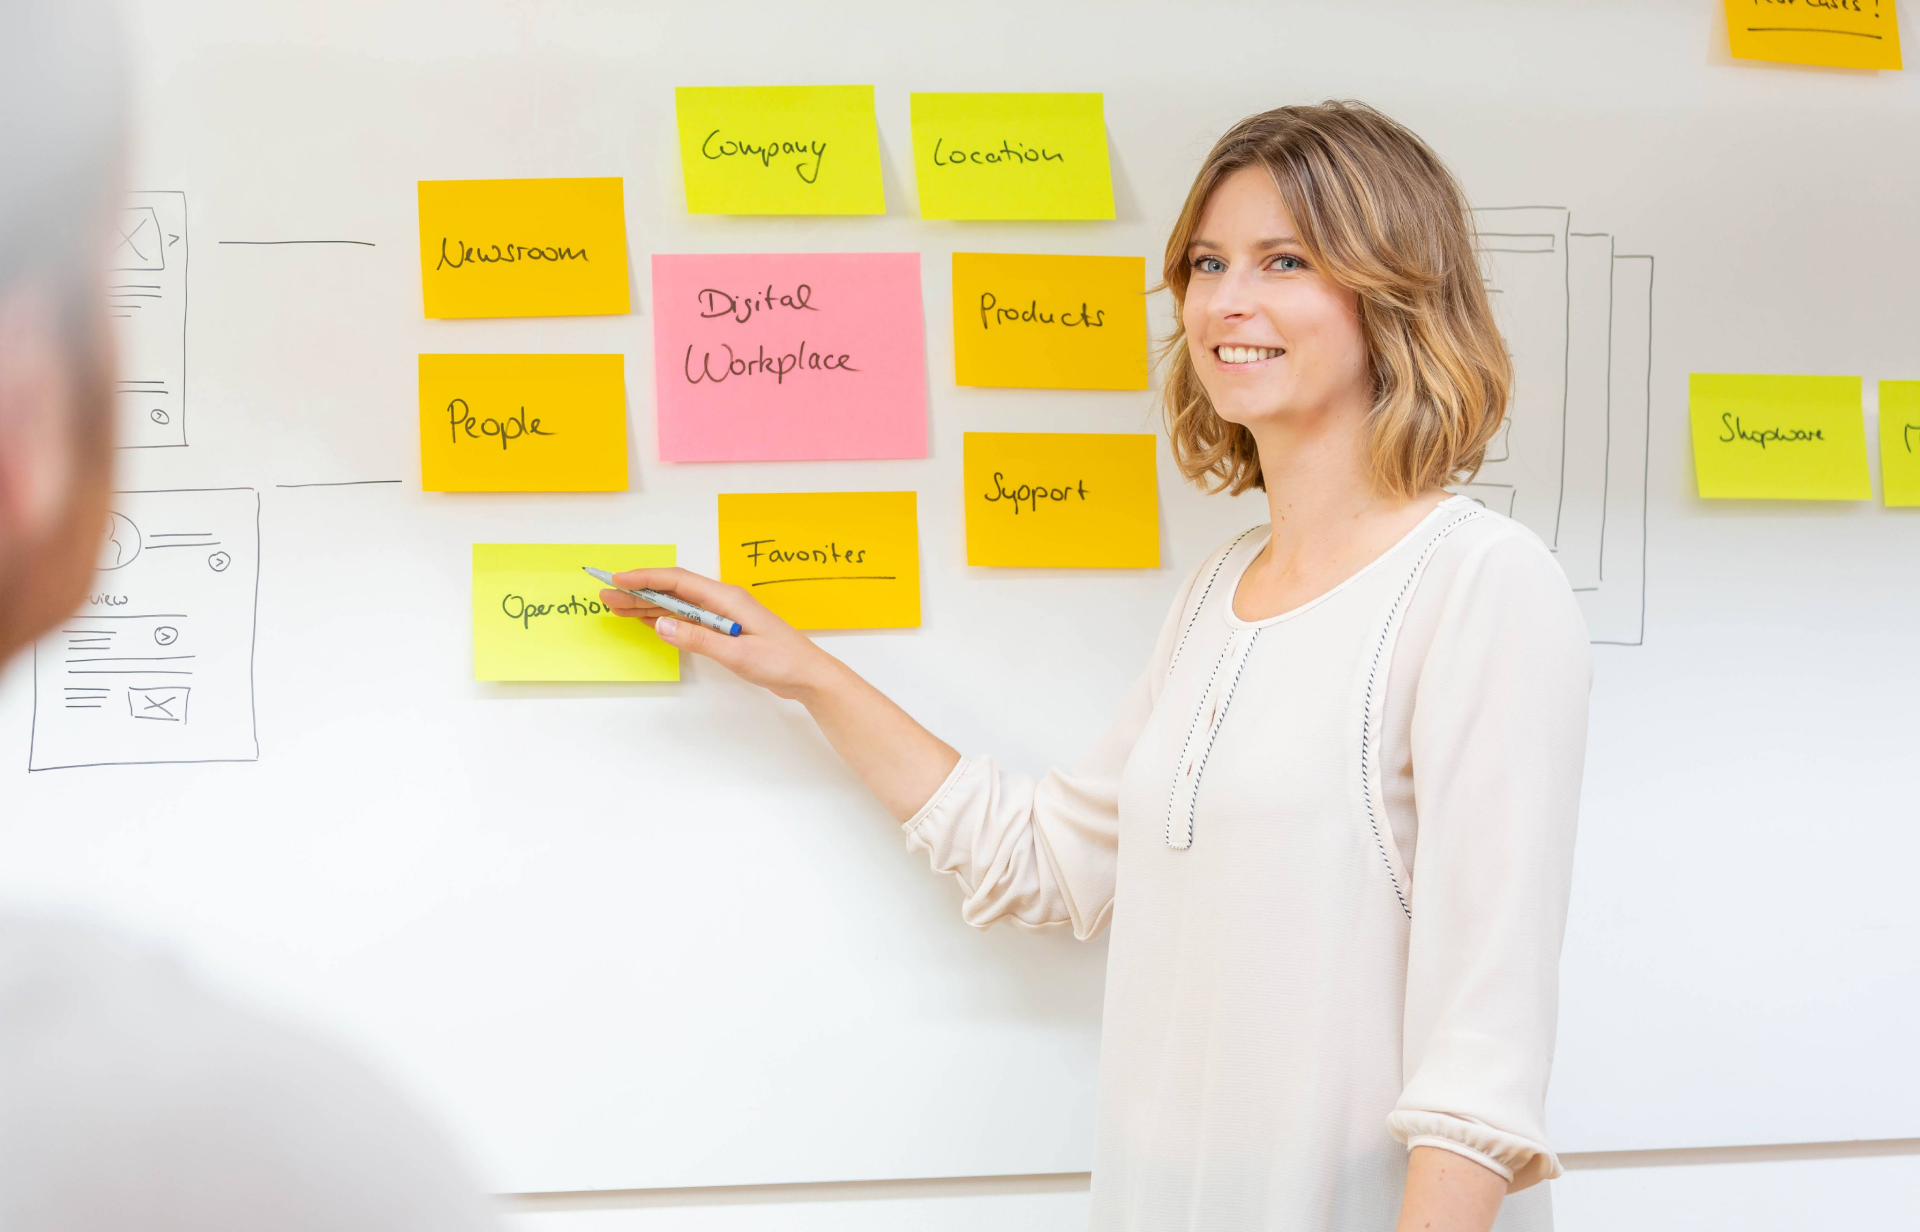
(1759, 437)
(523, 423)
(1832, 33)
(1900, 442)
(1049, 322)
(1073, 499)
(1011, 156)
(523, 248)
(809, 356)
(536, 616)
(825, 560)
(779, 149)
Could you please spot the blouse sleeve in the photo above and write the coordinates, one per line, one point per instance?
(1499, 733)
(1042, 854)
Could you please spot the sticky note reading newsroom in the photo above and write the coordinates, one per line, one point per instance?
(1064, 499)
(779, 149)
(825, 560)
(1832, 33)
(1762, 437)
(536, 616)
(522, 248)
(523, 423)
(1900, 442)
(1049, 322)
(1011, 156)
(809, 356)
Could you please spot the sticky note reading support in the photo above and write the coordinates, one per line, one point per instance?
(523, 423)
(1900, 442)
(810, 356)
(1758, 437)
(523, 248)
(1831, 33)
(1011, 156)
(779, 149)
(536, 616)
(1073, 499)
(1045, 322)
(825, 560)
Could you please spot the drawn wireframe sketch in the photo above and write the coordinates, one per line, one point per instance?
(1525, 265)
(148, 306)
(157, 666)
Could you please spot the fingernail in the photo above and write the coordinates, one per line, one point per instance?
(666, 627)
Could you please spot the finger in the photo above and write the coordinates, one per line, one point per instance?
(620, 603)
(686, 635)
(704, 591)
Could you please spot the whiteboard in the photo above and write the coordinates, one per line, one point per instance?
(611, 951)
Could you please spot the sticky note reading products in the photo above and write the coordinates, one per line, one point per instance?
(522, 248)
(1832, 33)
(1072, 499)
(1759, 437)
(1900, 442)
(536, 616)
(779, 149)
(825, 560)
(523, 423)
(1011, 156)
(1047, 322)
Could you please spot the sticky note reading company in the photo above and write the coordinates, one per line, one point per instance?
(523, 423)
(1008, 156)
(522, 248)
(1764, 437)
(1062, 499)
(536, 616)
(779, 149)
(1049, 322)
(825, 560)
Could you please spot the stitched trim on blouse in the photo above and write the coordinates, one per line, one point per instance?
(1225, 555)
(1213, 732)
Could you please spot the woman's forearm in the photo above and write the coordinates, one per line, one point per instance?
(1447, 1192)
(900, 761)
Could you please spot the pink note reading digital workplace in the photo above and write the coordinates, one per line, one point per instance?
(803, 356)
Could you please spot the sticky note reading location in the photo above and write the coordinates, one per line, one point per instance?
(523, 248)
(779, 149)
(523, 423)
(1043, 322)
(809, 356)
(1832, 33)
(825, 560)
(1900, 442)
(1759, 437)
(1011, 156)
(536, 616)
(1073, 499)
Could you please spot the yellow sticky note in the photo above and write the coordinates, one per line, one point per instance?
(779, 149)
(536, 616)
(1049, 322)
(523, 423)
(1073, 499)
(825, 560)
(1900, 442)
(523, 248)
(1832, 33)
(1011, 156)
(1760, 437)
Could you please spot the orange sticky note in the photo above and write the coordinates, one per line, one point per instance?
(1073, 499)
(523, 248)
(825, 560)
(523, 423)
(1049, 322)
(1830, 33)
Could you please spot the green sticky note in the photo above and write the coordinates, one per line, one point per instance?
(1011, 156)
(1900, 442)
(537, 616)
(1761, 437)
(779, 150)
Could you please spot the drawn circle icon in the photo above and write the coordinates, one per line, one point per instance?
(159, 416)
(219, 561)
(166, 635)
(122, 543)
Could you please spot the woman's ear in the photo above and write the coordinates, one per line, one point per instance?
(37, 409)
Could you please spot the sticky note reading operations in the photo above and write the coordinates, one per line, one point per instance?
(1072, 499)
(779, 149)
(1047, 322)
(536, 616)
(825, 560)
(1831, 33)
(1900, 442)
(1011, 156)
(523, 248)
(1759, 437)
(523, 423)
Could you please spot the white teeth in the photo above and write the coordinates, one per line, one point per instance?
(1245, 354)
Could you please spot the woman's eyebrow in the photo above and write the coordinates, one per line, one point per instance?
(1278, 241)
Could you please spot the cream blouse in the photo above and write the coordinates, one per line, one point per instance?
(1334, 847)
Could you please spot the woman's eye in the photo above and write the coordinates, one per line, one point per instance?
(1209, 265)
(1288, 264)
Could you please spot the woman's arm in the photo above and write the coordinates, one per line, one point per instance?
(1447, 1192)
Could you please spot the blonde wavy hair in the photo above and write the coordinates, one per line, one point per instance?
(1379, 213)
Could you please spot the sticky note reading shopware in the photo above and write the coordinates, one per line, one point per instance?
(536, 616)
(1063, 499)
(1049, 322)
(1900, 442)
(523, 248)
(1763, 437)
(1011, 156)
(825, 560)
(523, 423)
(779, 149)
(1831, 33)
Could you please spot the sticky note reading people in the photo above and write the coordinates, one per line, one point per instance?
(1758, 437)
(779, 149)
(825, 560)
(1831, 33)
(1900, 442)
(1072, 499)
(523, 248)
(1011, 156)
(810, 356)
(523, 423)
(536, 616)
(1046, 322)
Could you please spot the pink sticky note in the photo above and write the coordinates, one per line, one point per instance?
(789, 356)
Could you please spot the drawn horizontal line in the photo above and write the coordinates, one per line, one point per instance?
(340, 483)
(838, 577)
(158, 761)
(1808, 30)
(204, 543)
(280, 243)
(142, 671)
(143, 616)
(131, 659)
(94, 706)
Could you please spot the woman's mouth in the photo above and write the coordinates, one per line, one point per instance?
(1239, 355)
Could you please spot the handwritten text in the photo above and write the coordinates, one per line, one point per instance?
(832, 554)
(1009, 152)
(512, 428)
(489, 254)
(991, 313)
(741, 308)
(762, 364)
(1734, 430)
(767, 151)
(1031, 495)
(519, 609)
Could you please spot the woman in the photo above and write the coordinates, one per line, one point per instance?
(1333, 822)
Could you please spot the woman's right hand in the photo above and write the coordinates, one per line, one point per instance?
(768, 652)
